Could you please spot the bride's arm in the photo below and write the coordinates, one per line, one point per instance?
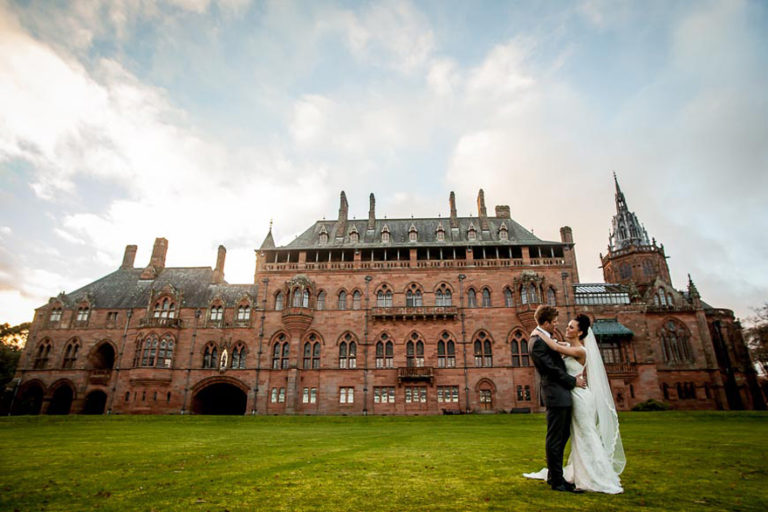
(563, 349)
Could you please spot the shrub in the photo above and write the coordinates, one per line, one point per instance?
(652, 405)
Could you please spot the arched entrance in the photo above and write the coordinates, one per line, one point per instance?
(219, 398)
(29, 400)
(486, 392)
(95, 402)
(61, 401)
(103, 358)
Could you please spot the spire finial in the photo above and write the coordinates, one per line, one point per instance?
(270, 225)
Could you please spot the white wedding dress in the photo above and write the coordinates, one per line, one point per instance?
(597, 455)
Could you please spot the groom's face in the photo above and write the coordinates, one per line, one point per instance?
(550, 326)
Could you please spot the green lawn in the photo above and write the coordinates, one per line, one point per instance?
(676, 461)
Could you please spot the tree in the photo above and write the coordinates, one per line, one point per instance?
(757, 338)
(12, 340)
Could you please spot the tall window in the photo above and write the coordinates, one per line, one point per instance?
(524, 393)
(440, 234)
(413, 296)
(446, 351)
(280, 352)
(384, 352)
(210, 356)
(647, 267)
(243, 313)
(675, 342)
(41, 356)
(472, 233)
(279, 301)
(533, 294)
(70, 354)
(416, 394)
(217, 313)
(414, 351)
(509, 300)
(384, 297)
(238, 357)
(154, 352)
(486, 298)
(347, 352)
(625, 271)
(309, 396)
(448, 394)
(55, 315)
(321, 301)
(519, 348)
(503, 232)
(413, 235)
(342, 300)
(278, 395)
(610, 351)
(443, 296)
(385, 234)
(483, 354)
(312, 352)
(296, 298)
(471, 298)
(356, 300)
(551, 297)
(346, 395)
(164, 309)
(82, 314)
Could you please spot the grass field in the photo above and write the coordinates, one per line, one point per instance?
(676, 461)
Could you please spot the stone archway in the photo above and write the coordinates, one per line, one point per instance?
(103, 358)
(220, 397)
(486, 394)
(61, 400)
(29, 400)
(95, 402)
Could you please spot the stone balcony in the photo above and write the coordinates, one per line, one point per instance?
(621, 370)
(415, 313)
(149, 321)
(415, 374)
(99, 377)
(297, 319)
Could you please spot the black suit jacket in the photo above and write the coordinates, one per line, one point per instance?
(556, 384)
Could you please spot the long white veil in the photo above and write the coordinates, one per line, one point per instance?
(607, 418)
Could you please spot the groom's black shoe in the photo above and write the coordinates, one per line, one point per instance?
(566, 487)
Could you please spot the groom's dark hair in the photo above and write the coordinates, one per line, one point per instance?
(545, 314)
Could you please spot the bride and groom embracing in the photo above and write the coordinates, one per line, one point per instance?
(579, 405)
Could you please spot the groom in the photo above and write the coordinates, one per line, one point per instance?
(556, 385)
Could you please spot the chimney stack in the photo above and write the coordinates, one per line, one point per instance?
(129, 257)
(566, 235)
(372, 214)
(502, 211)
(482, 213)
(454, 219)
(218, 272)
(157, 261)
(341, 225)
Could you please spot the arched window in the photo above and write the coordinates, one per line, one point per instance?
(413, 234)
(413, 296)
(443, 296)
(385, 234)
(486, 298)
(503, 232)
(296, 298)
(440, 233)
(446, 351)
(647, 267)
(238, 357)
(280, 352)
(483, 353)
(509, 300)
(165, 352)
(675, 343)
(551, 297)
(217, 313)
(625, 271)
(41, 356)
(523, 295)
(210, 356)
(279, 301)
(471, 233)
(82, 314)
(342, 300)
(414, 351)
(243, 313)
(347, 352)
(533, 294)
(305, 299)
(670, 300)
(312, 352)
(55, 315)
(662, 297)
(384, 297)
(384, 352)
(321, 301)
(471, 298)
(164, 308)
(70, 354)
(357, 300)
(519, 348)
(154, 352)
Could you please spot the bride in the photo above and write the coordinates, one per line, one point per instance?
(597, 455)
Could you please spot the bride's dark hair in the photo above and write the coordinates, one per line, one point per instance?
(584, 323)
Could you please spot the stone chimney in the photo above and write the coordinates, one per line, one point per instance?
(218, 272)
(372, 214)
(482, 213)
(566, 235)
(341, 225)
(157, 261)
(454, 219)
(502, 211)
(129, 257)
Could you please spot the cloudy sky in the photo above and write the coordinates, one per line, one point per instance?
(201, 120)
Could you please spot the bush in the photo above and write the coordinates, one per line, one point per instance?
(652, 405)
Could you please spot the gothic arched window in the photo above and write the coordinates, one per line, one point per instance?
(625, 271)
(486, 298)
(509, 300)
(279, 301)
(347, 352)
(164, 308)
(357, 300)
(312, 352)
(551, 297)
(483, 352)
(414, 351)
(321, 301)
(210, 356)
(675, 343)
(243, 313)
(471, 298)
(70, 354)
(443, 296)
(384, 297)
(519, 348)
(413, 296)
(342, 304)
(280, 352)
(384, 352)
(41, 356)
(446, 351)
(238, 357)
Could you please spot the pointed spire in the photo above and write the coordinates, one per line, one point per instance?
(269, 242)
(627, 230)
(372, 213)
(693, 292)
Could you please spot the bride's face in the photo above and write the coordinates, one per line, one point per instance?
(572, 330)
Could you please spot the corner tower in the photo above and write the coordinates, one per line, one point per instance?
(632, 258)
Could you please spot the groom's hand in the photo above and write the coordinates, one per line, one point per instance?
(581, 381)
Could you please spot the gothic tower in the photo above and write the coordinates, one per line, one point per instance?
(632, 258)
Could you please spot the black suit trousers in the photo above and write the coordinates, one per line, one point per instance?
(558, 432)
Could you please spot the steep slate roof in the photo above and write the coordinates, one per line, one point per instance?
(124, 288)
(427, 229)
